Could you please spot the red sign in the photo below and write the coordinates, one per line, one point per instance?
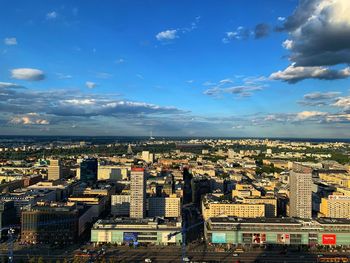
(329, 239)
(137, 169)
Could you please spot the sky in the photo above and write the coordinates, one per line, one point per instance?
(243, 68)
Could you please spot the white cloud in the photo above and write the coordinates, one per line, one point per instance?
(10, 41)
(51, 15)
(281, 18)
(27, 74)
(293, 74)
(169, 34)
(343, 102)
(8, 85)
(90, 84)
(288, 44)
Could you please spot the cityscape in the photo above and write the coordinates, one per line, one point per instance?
(174, 131)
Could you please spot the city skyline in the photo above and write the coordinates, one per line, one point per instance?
(239, 69)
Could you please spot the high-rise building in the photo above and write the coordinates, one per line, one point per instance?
(300, 196)
(88, 170)
(54, 170)
(137, 193)
(147, 156)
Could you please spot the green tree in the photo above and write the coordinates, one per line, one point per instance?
(40, 260)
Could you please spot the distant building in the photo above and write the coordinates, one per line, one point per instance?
(137, 193)
(54, 170)
(88, 170)
(300, 195)
(147, 156)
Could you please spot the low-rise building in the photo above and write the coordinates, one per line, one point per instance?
(136, 231)
(277, 231)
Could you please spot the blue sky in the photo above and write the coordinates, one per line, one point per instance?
(185, 68)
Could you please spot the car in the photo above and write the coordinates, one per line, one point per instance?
(235, 255)
(148, 260)
(186, 259)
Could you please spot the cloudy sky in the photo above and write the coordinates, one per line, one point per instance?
(188, 68)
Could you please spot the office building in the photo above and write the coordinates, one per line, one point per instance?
(88, 170)
(50, 224)
(300, 195)
(54, 170)
(137, 193)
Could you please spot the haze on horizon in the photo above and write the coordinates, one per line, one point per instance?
(175, 68)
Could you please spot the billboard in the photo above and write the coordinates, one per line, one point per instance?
(130, 237)
(259, 238)
(283, 239)
(329, 239)
(218, 238)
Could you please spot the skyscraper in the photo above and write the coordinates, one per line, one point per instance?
(54, 170)
(88, 170)
(300, 197)
(137, 193)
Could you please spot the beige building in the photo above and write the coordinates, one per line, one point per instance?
(164, 206)
(137, 193)
(211, 208)
(335, 206)
(269, 202)
(109, 172)
(54, 170)
(245, 190)
(147, 156)
(300, 196)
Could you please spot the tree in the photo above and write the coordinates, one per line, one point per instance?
(40, 260)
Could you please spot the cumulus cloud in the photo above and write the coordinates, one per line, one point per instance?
(343, 103)
(51, 15)
(27, 74)
(320, 33)
(169, 34)
(10, 41)
(294, 74)
(90, 84)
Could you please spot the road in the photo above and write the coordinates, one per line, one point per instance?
(171, 254)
